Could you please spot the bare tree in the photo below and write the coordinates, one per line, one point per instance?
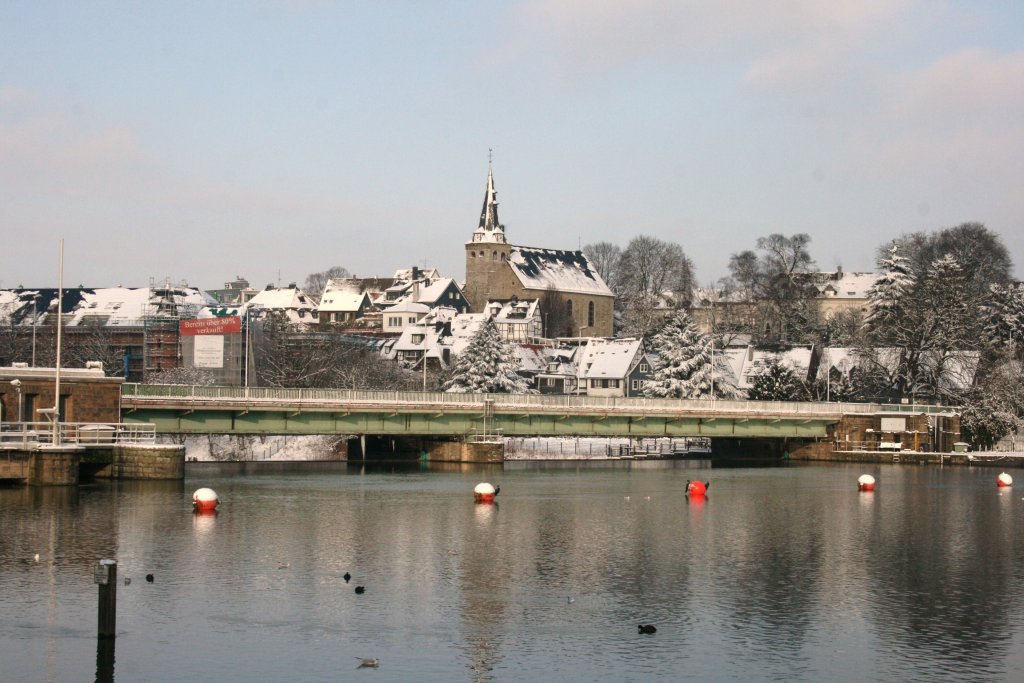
(775, 277)
(315, 282)
(554, 309)
(654, 277)
(605, 258)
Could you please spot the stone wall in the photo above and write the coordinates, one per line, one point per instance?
(466, 451)
(145, 462)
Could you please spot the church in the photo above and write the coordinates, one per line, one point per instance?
(574, 300)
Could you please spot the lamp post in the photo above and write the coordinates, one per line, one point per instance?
(249, 314)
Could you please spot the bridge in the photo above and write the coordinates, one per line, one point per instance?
(247, 410)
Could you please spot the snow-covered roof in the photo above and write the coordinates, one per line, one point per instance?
(530, 358)
(407, 306)
(291, 301)
(609, 358)
(746, 363)
(343, 295)
(107, 306)
(555, 269)
(405, 274)
(842, 285)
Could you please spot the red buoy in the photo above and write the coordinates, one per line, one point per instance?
(1004, 479)
(866, 483)
(697, 488)
(485, 493)
(205, 500)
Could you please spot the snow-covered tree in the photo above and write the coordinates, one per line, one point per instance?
(1004, 314)
(683, 368)
(890, 295)
(486, 366)
(776, 383)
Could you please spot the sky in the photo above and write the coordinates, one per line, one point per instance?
(269, 139)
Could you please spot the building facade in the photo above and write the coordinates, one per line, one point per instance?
(574, 298)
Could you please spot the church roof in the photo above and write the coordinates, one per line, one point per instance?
(556, 269)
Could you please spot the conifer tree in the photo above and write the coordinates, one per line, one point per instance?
(486, 366)
(775, 383)
(683, 367)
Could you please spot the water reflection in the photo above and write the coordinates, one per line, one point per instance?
(782, 573)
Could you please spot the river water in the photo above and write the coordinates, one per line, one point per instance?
(780, 574)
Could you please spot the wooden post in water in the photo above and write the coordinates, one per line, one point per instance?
(106, 579)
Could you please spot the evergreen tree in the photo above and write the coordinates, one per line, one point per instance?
(683, 368)
(776, 383)
(889, 296)
(486, 366)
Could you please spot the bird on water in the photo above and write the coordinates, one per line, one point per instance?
(149, 578)
(497, 490)
(646, 628)
(360, 590)
(370, 662)
(347, 577)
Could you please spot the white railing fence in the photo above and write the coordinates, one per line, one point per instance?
(256, 395)
(35, 434)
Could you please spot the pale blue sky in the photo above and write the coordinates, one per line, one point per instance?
(203, 140)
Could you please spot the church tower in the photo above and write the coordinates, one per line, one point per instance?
(487, 254)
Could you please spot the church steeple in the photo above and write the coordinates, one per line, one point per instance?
(490, 228)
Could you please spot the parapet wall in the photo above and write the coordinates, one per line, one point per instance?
(157, 461)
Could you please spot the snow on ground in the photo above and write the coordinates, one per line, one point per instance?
(223, 447)
(594, 448)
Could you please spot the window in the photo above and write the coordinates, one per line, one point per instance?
(644, 367)
(568, 307)
(412, 318)
(494, 256)
(417, 339)
(502, 256)
(549, 381)
(635, 385)
(590, 314)
(472, 254)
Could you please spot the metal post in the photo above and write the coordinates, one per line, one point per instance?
(106, 578)
(56, 390)
(35, 324)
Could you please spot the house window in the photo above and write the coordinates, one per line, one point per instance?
(549, 381)
(635, 384)
(412, 318)
(644, 367)
(417, 339)
(494, 256)
(590, 314)
(568, 307)
(302, 313)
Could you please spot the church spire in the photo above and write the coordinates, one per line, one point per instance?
(490, 228)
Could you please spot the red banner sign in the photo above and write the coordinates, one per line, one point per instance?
(231, 324)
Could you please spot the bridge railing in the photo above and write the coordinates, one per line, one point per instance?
(34, 434)
(256, 395)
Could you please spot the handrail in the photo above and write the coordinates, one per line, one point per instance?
(313, 397)
(34, 434)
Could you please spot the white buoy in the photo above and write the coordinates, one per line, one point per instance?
(205, 500)
(1004, 479)
(484, 493)
(866, 483)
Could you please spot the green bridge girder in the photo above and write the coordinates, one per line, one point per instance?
(408, 423)
(260, 410)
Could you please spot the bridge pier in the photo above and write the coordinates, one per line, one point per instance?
(53, 466)
(465, 451)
